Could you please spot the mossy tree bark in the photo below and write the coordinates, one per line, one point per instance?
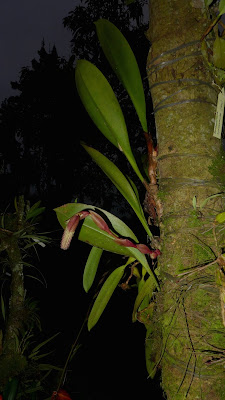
(12, 362)
(190, 163)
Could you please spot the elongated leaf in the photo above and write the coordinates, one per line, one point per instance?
(36, 348)
(121, 183)
(204, 202)
(222, 7)
(104, 296)
(103, 107)
(146, 289)
(121, 58)
(219, 53)
(91, 267)
(35, 212)
(93, 235)
(144, 223)
(38, 357)
(46, 367)
(10, 390)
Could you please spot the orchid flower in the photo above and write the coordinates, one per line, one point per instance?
(73, 222)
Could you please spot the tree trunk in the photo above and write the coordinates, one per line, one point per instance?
(190, 166)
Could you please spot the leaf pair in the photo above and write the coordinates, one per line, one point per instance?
(98, 96)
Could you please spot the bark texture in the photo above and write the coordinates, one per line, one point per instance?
(190, 163)
(12, 362)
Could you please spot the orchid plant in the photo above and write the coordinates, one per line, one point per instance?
(101, 229)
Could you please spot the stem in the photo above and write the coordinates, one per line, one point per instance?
(208, 30)
(71, 352)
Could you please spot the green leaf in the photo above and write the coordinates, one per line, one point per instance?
(220, 218)
(103, 107)
(194, 202)
(91, 267)
(222, 7)
(121, 58)
(128, 190)
(204, 202)
(104, 296)
(93, 235)
(37, 348)
(208, 2)
(10, 390)
(219, 53)
(46, 367)
(35, 210)
(146, 289)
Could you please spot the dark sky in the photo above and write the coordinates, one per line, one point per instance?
(23, 25)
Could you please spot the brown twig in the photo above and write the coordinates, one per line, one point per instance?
(153, 205)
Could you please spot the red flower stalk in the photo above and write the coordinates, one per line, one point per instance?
(73, 222)
(141, 247)
(60, 395)
(100, 222)
(125, 242)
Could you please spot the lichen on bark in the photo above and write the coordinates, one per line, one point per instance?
(184, 99)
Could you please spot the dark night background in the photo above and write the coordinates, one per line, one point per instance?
(42, 122)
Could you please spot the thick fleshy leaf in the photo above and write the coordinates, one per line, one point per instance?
(121, 58)
(93, 235)
(91, 267)
(120, 181)
(103, 107)
(146, 289)
(219, 53)
(105, 295)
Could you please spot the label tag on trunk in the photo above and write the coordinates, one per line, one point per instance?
(219, 115)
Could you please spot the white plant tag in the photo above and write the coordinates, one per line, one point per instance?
(219, 115)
